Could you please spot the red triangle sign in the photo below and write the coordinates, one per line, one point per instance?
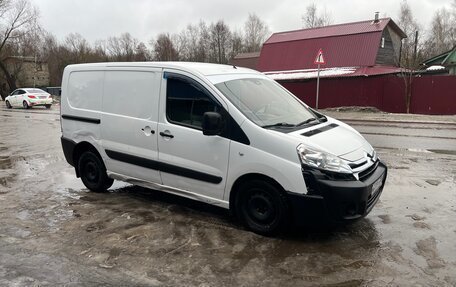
(319, 59)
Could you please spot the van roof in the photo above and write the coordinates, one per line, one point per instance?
(206, 69)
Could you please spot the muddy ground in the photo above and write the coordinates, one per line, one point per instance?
(54, 232)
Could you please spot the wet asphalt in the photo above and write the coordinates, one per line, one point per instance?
(53, 232)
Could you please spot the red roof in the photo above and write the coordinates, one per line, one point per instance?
(344, 45)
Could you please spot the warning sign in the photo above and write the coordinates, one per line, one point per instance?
(320, 60)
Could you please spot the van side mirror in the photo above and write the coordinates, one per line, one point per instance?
(212, 124)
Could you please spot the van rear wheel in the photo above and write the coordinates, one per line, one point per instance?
(93, 172)
(262, 207)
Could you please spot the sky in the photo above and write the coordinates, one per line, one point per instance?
(145, 19)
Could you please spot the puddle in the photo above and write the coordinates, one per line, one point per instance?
(3, 182)
(442, 151)
(5, 162)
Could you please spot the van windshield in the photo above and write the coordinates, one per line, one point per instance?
(266, 103)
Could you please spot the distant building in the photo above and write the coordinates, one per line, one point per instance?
(365, 48)
(29, 71)
(246, 60)
(361, 68)
(445, 63)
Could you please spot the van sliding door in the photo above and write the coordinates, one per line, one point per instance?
(129, 122)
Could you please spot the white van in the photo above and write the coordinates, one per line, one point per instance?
(219, 134)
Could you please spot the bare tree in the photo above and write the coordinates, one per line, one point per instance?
(17, 19)
(203, 42)
(237, 44)
(443, 33)
(141, 53)
(122, 48)
(256, 32)
(57, 58)
(311, 19)
(408, 59)
(78, 47)
(164, 48)
(100, 49)
(410, 27)
(220, 36)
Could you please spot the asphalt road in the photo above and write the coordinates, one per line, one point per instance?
(438, 137)
(53, 232)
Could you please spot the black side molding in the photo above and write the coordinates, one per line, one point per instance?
(68, 148)
(319, 130)
(164, 167)
(81, 119)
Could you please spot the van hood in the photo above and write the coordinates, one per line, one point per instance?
(336, 138)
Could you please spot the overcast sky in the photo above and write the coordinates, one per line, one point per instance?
(144, 19)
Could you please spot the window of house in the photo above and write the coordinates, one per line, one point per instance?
(187, 101)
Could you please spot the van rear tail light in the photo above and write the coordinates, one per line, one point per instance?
(31, 97)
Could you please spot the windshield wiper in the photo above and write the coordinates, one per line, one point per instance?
(278, 125)
(306, 122)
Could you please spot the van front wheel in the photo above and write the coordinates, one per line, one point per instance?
(262, 207)
(93, 172)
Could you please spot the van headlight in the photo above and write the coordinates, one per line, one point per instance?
(322, 160)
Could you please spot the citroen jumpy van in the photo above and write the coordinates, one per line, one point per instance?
(219, 134)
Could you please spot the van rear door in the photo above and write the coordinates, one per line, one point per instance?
(129, 121)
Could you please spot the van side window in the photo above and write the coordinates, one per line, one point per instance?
(186, 102)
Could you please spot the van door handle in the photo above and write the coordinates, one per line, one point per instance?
(148, 131)
(166, 135)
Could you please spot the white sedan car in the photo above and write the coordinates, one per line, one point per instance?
(28, 97)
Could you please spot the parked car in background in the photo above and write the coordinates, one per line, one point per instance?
(28, 97)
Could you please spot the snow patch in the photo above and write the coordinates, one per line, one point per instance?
(310, 73)
(435, 68)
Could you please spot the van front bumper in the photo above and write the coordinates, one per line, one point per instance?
(337, 200)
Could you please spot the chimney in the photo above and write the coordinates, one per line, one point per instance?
(376, 18)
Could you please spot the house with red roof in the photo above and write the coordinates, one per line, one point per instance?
(360, 68)
(366, 48)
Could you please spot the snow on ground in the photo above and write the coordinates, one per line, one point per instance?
(435, 68)
(310, 73)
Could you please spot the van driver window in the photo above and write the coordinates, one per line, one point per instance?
(186, 103)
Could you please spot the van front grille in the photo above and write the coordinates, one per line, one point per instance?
(356, 165)
(368, 171)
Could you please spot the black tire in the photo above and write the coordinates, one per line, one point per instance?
(8, 105)
(93, 172)
(25, 105)
(262, 207)
(47, 106)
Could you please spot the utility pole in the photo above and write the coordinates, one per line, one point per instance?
(319, 60)
(318, 86)
(415, 48)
